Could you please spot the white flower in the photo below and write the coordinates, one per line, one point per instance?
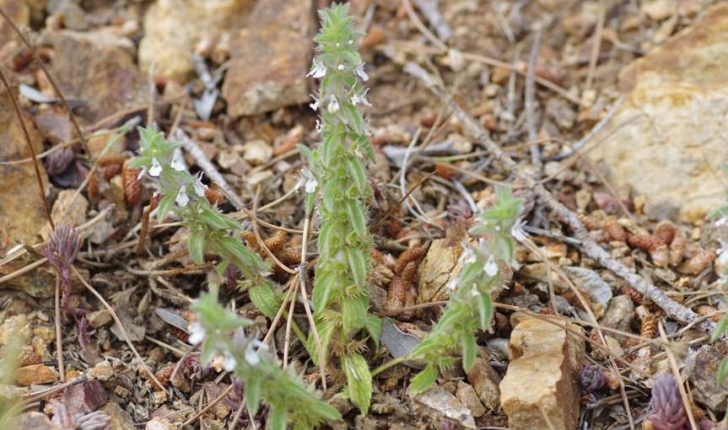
(351, 41)
(361, 73)
(318, 70)
(307, 181)
(315, 104)
(178, 161)
(319, 126)
(360, 98)
(182, 197)
(341, 67)
(517, 231)
(156, 168)
(333, 106)
(229, 362)
(252, 349)
(721, 221)
(142, 172)
(197, 333)
(491, 267)
(198, 186)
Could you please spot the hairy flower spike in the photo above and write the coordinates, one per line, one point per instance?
(668, 411)
(63, 247)
(341, 293)
(471, 307)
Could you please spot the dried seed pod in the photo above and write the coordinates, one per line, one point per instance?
(397, 294)
(643, 241)
(108, 160)
(699, 262)
(276, 241)
(648, 327)
(289, 256)
(410, 255)
(164, 374)
(588, 222)
(92, 189)
(677, 250)
(665, 231)
(546, 311)
(214, 195)
(636, 296)
(251, 240)
(130, 179)
(111, 170)
(660, 256)
(614, 230)
(709, 312)
(409, 273)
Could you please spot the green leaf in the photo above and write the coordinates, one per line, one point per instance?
(252, 390)
(358, 265)
(323, 285)
(720, 329)
(325, 329)
(354, 312)
(355, 211)
(196, 246)
(470, 350)
(164, 207)
(485, 309)
(722, 371)
(424, 380)
(359, 380)
(374, 327)
(277, 417)
(265, 299)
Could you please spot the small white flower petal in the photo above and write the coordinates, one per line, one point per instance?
(517, 231)
(341, 67)
(178, 161)
(333, 106)
(319, 126)
(198, 186)
(156, 168)
(360, 98)
(142, 172)
(197, 333)
(318, 70)
(251, 355)
(491, 267)
(229, 362)
(361, 73)
(182, 198)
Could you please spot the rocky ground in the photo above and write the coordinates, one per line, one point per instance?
(607, 116)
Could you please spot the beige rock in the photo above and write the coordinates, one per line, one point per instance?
(99, 318)
(257, 152)
(19, 12)
(16, 326)
(172, 28)
(619, 314)
(35, 374)
(444, 405)
(666, 139)
(439, 266)
(468, 397)
(485, 381)
(703, 368)
(99, 68)
(270, 58)
(542, 380)
(160, 424)
(120, 419)
(36, 421)
(21, 207)
(68, 210)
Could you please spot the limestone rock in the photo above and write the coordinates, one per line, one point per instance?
(97, 67)
(619, 315)
(66, 210)
(21, 208)
(35, 374)
(270, 58)
(36, 421)
(666, 139)
(468, 397)
(439, 266)
(703, 374)
(120, 419)
(19, 12)
(485, 381)
(543, 378)
(172, 28)
(444, 405)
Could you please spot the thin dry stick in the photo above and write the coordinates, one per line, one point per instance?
(530, 95)
(287, 342)
(676, 374)
(304, 296)
(144, 231)
(596, 45)
(58, 92)
(38, 176)
(591, 248)
(59, 335)
(118, 322)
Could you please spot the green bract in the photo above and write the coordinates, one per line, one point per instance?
(341, 293)
(183, 196)
(471, 307)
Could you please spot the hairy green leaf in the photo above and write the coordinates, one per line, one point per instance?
(359, 380)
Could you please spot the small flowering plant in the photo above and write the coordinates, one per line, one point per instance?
(341, 291)
(222, 333)
(471, 306)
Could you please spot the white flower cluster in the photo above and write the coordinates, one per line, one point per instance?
(250, 345)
